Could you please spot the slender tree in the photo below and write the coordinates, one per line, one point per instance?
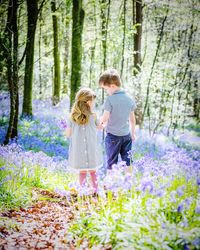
(77, 28)
(104, 5)
(93, 47)
(11, 55)
(137, 5)
(39, 52)
(32, 11)
(137, 23)
(67, 43)
(124, 37)
(56, 86)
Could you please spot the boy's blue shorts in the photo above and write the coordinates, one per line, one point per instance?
(116, 145)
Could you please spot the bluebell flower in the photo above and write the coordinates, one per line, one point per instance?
(198, 181)
(146, 184)
(180, 208)
(180, 191)
(197, 210)
(159, 193)
(186, 247)
(196, 242)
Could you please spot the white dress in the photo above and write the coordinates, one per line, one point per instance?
(84, 150)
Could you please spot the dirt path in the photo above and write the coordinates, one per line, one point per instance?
(41, 226)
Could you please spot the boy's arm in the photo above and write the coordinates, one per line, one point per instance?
(132, 123)
(104, 119)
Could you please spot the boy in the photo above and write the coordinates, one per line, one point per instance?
(118, 113)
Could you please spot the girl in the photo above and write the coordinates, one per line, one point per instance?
(84, 150)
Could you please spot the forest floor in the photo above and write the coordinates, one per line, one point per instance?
(43, 225)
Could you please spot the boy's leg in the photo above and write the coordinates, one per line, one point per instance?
(125, 148)
(94, 180)
(82, 177)
(112, 146)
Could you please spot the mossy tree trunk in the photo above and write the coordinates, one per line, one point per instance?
(137, 61)
(65, 87)
(77, 28)
(11, 56)
(137, 5)
(124, 37)
(32, 10)
(56, 55)
(104, 6)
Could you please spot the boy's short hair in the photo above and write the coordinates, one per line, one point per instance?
(109, 77)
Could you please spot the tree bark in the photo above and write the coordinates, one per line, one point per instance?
(32, 9)
(137, 22)
(124, 37)
(93, 48)
(11, 55)
(104, 33)
(137, 5)
(77, 28)
(66, 52)
(56, 86)
(39, 52)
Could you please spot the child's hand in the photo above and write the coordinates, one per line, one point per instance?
(100, 126)
(133, 137)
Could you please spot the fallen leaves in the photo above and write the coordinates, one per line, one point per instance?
(41, 226)
(44, 225)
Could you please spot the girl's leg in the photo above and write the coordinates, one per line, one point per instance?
(82, 177)
(94, 180)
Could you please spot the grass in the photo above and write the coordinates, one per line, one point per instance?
(17, 184)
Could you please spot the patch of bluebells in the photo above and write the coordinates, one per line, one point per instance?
(45, 131)
(157, 175)
(16, 158)
(151, 156)
(153, 147)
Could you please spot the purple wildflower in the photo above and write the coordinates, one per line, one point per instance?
(198, 181)
(197, 210)
(180, 191)
(63, 124)
(196, 243)
(180, 208)
(147, 184)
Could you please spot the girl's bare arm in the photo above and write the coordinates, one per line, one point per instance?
(68, 132)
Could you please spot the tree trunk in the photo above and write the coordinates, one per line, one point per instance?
(124, 36)
(77, 28)
(11, 55)
(56, 86)
(137, 22)
(32, 9)
(196, 103)
(93, 48)
(137, 5)
(39, 52)
(66, 52)
(104, 32)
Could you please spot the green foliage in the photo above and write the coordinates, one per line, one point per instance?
(16, 183)
(140, 221)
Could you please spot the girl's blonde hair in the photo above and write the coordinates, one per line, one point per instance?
(81, 111)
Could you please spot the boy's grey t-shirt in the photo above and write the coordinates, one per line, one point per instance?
(120, 105)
